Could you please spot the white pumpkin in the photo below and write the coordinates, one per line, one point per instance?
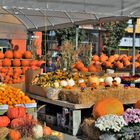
(63, 83)
(71, 82)
(108, 81)
(118, 80)
(81, 81)
(56, 84)
(37, 131)
(93, 79)
(101, 80)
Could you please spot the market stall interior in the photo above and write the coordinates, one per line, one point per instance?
(69, 92)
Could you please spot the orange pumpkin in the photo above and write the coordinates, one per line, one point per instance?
(28, 55)
(25, 63)
(16, 62)
(108, 106)
(34, 67)
(111, 59)
(108, 64)
(17, 71)
(103, 58)
(92, 68)
(24, 69)
(137, 104)
(9, 54)
(17, 54)
(6, 62)
(95, 58)
(79, 65)
(47, 131)
(137, 64)
(84, 69)
(14, 135)
(34, 63)
(119, 65)
(16, 112)
(1, 55)
(127, 63)
(4, 121)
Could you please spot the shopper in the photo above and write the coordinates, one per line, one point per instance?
(49, 66)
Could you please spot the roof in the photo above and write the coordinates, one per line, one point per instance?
(53, 14)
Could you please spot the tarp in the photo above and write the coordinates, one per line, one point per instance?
(35, 14)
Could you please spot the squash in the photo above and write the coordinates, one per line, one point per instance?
(17, 54)
(79, 65)
(9, 54)
(16, 112)
(118, 80)
(93, 79)
(28, 55)
(84, 69)
(108, 106)
(14, 135)
(6, 62)
(37, 131)
(92, 68)
(4, 121)
(137, 104)
(16, 62)
(108, 81)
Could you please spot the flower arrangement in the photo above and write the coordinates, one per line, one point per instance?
(132, 116)
(110, 122)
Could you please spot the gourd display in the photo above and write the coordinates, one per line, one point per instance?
(108, 106)
(4, 121)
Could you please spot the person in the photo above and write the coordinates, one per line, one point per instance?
(49, 67)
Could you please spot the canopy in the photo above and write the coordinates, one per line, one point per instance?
(35, 14)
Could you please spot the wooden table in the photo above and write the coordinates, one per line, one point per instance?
(75, 109)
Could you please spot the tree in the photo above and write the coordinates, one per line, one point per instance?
(114, 33)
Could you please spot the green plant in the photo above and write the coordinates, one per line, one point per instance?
(114, 32)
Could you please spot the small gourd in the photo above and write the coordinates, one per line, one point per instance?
(37, 131)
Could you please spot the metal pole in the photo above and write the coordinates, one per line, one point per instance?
(77, 36)
(134, 37)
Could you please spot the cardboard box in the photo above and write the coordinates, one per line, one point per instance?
(29, 76)
(20, 86)
(37, 90)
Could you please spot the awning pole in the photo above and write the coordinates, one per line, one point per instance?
(134, 37)
(77, 37)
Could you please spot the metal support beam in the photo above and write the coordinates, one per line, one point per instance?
(77, 37)
(134, 37)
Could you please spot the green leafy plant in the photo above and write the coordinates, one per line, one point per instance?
(114, 33)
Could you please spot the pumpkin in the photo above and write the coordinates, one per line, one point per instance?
(0, 63)
(79, 65)
(25, 63)
(103, 58)
(111, 59)
(4, 121)
(1, 55)
(137, 104)
(71, 82)
(34, 63)
(84, 69)
(95, 58)
(34, 67)
(17, 71)
(28, 55)
(108, 81)
(137, 64)
(92, 68)
(16, 112)
(16, 62)
(6, 62)
(108, 106)
(24, 69)
(119, 65)
(37, 131)
(47, 131)
(108, 64)
(118, 80)
(93, 79)
(9, 54)
(17, 54)
(14, 135)
(63, 83)
(127, 63)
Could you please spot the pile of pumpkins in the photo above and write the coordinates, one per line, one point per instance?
(13, 65)
(18, 124)
(100, 62)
